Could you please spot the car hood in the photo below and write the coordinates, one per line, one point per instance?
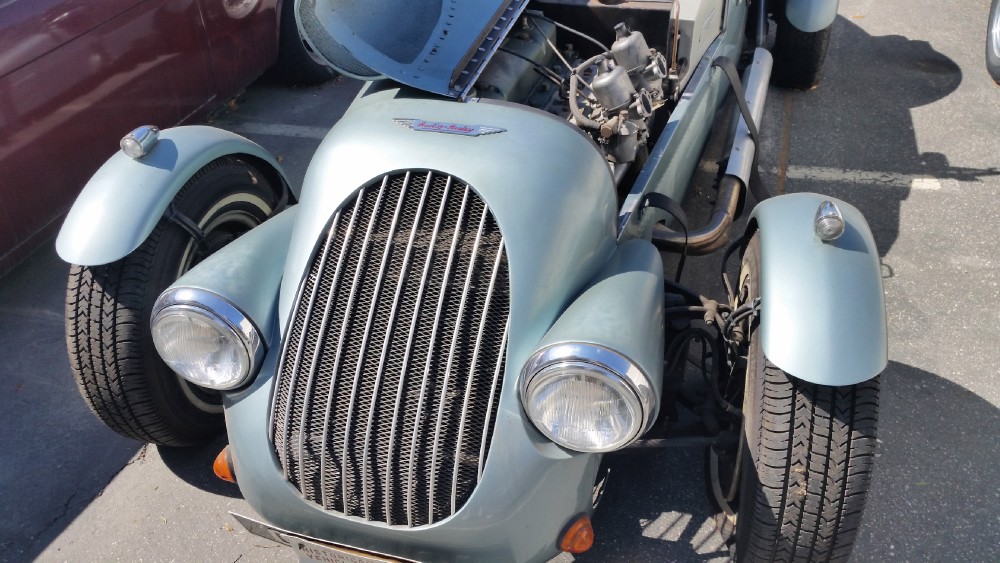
(435, 45)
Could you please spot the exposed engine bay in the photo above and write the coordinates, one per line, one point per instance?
(618, 79)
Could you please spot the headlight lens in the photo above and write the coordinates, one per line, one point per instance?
(205, 339)
(577, 399)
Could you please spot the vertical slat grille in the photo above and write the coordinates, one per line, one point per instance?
(392, 366)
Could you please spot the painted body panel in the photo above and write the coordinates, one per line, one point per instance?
(72, 103)
(243, 38)
(247, 272)
(701, 22)
(557, 214)
(558, 220)
(822, 306)
(621, 309)
(124, 200)
(811, 15)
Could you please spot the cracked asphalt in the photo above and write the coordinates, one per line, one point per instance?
(904, 126)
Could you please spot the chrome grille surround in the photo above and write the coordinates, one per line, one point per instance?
(389, 381)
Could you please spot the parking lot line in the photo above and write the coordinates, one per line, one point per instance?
(279, 130)
(870, 178)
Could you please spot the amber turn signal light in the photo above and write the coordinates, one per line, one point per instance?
(579, 536)
(223, 466)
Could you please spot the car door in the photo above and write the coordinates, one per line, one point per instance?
(75, 75)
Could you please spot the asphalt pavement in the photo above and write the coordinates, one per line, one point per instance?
(905, 126)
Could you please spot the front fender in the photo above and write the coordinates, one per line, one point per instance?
(811, 15)
(822, 306)
(621, 309)
(124, 200)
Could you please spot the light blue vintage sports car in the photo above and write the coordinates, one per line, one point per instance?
(424, 352)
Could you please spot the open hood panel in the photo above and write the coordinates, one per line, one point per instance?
(439, 46)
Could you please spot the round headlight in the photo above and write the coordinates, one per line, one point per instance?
(586, 398)
(205, 339)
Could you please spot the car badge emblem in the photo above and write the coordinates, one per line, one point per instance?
(450, 128)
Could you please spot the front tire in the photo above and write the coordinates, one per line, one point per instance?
(108, 307)
(807, 456)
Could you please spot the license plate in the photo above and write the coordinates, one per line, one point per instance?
(312, 549)
(326, 552)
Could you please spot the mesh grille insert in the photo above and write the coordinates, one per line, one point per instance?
(391, 370)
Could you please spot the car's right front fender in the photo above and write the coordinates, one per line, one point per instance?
(822, 307)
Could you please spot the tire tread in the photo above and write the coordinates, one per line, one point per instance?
(118, 373)
(814, 466)
(808, 464)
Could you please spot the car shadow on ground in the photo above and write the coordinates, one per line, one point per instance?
(193, 465)
(854, 137)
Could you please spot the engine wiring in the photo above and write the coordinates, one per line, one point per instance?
(539, 68)
(569, 29)
(534, 28)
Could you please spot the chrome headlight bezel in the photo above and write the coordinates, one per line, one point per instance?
(619, 373)
(223, 316)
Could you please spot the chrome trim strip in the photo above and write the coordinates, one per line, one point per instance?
(409, 343)
(493, 390)
(348, 236)
(283, 454)
(472, 376)
(312, 366)
(430, 350)
(376, 292)
(451, 360)
(404, 270)
(190, 298)
(365, 246)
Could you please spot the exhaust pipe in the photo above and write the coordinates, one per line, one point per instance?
(715, 234)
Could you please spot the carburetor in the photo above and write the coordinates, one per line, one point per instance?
(627, 87)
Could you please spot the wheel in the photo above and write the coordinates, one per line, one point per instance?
(993, 42)
(803, 466)
(798, 55)
(297, 64)
(116, 367)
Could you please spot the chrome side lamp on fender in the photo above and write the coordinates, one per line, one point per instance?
(140, 141)
(206, 339)
(829, 222)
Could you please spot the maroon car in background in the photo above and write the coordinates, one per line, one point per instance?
(76, 75)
